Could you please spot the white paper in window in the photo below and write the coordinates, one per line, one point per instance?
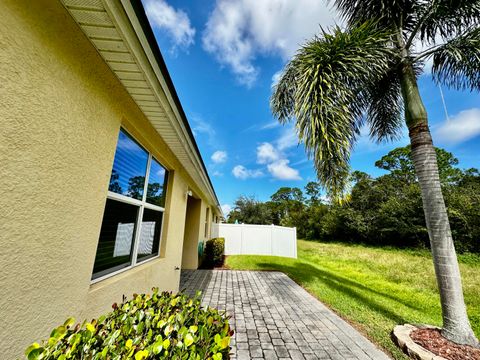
(123, 239)
(146, 237)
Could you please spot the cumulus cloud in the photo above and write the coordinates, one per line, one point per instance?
(219, 156)
(280, 170)
(266, 153)
(175, 22)
(241, 172)
(217, 173)
(276, 160)
(462, 127)
(237, 31)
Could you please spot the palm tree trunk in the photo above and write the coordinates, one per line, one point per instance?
(456, 326)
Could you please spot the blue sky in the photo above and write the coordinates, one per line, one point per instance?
(223, 56)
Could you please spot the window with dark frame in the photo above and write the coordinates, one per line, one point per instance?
(207, 215)
(132, 220)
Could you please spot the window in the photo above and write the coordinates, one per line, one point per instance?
(133, 216)
(207, 215)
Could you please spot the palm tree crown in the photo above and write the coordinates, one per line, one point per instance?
(341, 80)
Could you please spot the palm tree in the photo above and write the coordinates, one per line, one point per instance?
(366, 74)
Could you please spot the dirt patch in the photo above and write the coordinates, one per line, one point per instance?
(433, 341)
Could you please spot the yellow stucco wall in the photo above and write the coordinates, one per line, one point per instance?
(61, 109)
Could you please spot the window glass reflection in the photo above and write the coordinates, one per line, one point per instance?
(129, 168)
(157, 183)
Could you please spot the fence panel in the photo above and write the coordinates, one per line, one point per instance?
(242, 239)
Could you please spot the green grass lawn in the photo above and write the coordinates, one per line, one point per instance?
(373, 288)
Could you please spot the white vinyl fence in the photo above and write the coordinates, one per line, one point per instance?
(242, 239)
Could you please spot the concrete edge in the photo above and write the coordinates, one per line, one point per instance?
(401, 337)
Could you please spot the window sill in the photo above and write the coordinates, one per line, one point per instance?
(115, 276)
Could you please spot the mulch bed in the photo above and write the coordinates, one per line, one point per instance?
(432, 340)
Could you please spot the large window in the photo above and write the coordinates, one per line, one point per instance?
(132, 221)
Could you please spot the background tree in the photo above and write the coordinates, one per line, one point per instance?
(248, 210)
(400, 164)
(287, 199)
(313, 190)
(368, 73)
(285, 194)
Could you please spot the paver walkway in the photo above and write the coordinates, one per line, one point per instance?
(274, 318)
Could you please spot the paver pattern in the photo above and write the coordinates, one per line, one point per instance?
(274, 318)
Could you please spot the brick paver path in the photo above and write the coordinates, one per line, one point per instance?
(274, 318)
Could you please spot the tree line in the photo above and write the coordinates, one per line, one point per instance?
(385, 210)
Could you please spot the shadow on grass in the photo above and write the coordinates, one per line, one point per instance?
(306, 274)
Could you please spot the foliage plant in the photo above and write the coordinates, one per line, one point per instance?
(157, 326)
(366, 74)
(214, 251)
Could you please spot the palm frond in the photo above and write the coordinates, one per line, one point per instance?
(456, 64)
(385, 111)
(446, 18)
(282, 101)
(386, 13)
(326, 89)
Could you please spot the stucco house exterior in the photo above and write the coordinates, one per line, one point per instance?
(103, 189)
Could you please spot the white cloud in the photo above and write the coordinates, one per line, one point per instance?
(462, 127)
(226, 208)
(302, 161)
(276, 161)
(266, 153)
(266, 126)
(239, 30)
(280, 170)
(270, 125)
(174, 21)
(219, 156)
(241, 172)
(288, 139)
(420, 47)
(276, 78)
(217, 173)
(201, 127)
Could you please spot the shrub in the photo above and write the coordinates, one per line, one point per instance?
(214, 250)
(157, 326)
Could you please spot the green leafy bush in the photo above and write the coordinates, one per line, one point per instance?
(157, 326)
(214, 250)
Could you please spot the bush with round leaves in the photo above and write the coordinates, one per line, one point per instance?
(158, 326)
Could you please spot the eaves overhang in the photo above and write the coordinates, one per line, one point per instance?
(122, 35)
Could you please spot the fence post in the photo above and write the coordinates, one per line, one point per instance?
(271, 238)
(295, 242)
(241, 238)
